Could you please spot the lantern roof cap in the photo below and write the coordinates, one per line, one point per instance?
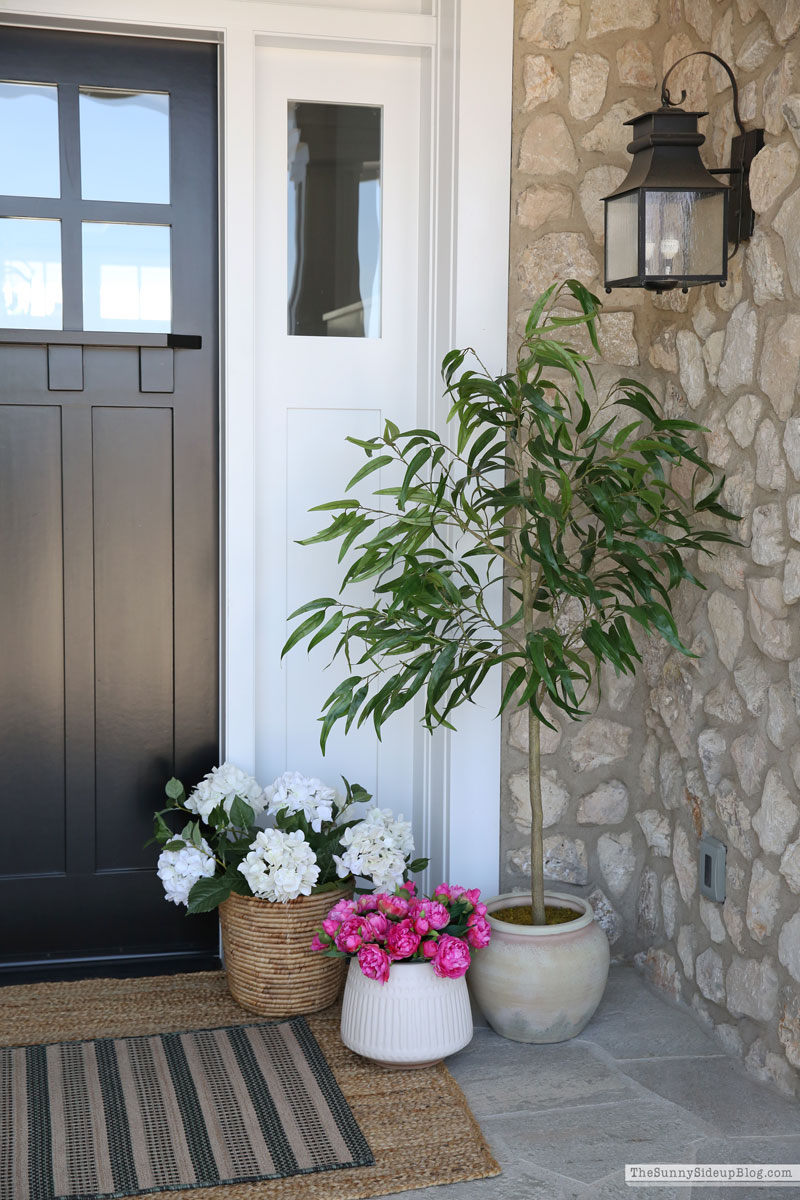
(664, 111)
(665, 149)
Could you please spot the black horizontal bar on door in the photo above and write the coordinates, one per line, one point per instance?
(106, 212)
(68, 337)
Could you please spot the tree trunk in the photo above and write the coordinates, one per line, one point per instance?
(537, 819)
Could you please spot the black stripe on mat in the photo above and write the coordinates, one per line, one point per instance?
(356, 1143)
(194, 1125)
(40, 1150)
(120, 1149)
(264, 1105)
(8, 1148)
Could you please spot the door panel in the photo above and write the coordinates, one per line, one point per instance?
(311, 568)
(108, 471)
(32, 636)
(134, 686)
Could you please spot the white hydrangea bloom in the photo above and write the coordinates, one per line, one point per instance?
(280, 866)
(222, 786)
(376, 849)
(296, 793)
(179, 870)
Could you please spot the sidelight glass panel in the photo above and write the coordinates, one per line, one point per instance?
(29, 162)
(124, 146)
(334, 220)
(30, 274)
(127, 278)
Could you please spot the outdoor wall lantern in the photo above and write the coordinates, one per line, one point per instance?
(669, 222)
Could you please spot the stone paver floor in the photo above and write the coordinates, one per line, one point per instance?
(643, 1083)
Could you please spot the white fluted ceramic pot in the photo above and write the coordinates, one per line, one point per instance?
(541, 983)
(415, 1019)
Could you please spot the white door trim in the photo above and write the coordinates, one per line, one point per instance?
(467, 46)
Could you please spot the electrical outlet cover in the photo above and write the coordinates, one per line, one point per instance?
(711, 868)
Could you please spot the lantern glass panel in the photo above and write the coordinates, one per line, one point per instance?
(622, 237)
(684, 233)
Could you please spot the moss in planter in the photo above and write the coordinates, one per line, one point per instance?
(522, 914)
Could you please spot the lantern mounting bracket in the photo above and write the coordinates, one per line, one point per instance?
(744, 147)
(667, 100)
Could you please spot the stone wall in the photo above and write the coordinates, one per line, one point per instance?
(707, 744)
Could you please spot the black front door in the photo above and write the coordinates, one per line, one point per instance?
(108, 484)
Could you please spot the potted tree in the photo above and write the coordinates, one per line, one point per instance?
(565, 497)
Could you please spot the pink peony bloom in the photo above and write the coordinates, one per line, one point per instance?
(452, 957)
(418, 913)
(366, 904)
(330, 926)
(429, 948)
(473, 895)
(377, 925)
(449, 892)
(481, 910)
(402, 941)
(351, 935)
(393, 906)
(374, 963)
(480, 931)
(317, 944)
(409, 887)
(438, 915)
(341, 911)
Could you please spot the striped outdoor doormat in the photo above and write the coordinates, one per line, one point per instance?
(122, 1116)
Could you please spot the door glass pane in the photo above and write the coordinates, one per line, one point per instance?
(127, 277)
(124, 146)
(30, 274)
(29, 163)
(334, 225)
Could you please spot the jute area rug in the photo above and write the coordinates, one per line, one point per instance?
(417, 1123)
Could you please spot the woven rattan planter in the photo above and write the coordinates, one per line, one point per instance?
(270, 967)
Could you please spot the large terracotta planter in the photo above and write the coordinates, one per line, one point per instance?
(413, 1020)
(268, 961)
(541, 983)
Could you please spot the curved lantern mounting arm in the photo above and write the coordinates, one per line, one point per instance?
(743, 151)
(667, 100)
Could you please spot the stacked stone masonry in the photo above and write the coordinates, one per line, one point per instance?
(709, 744)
